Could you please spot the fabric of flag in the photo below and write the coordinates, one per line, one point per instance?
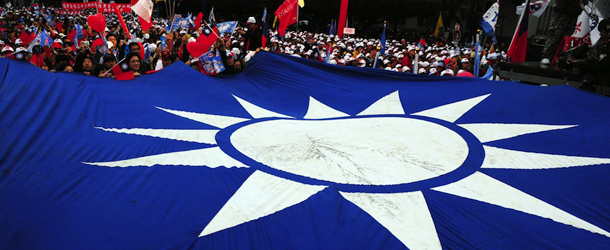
(226, 27)
(488, 74)
(144, 8)
(490, 18)
(45, 39)
(122, 72)
(342, 17)
(439, 25)
(332, 26)
(211, 63)
(518, 45)
(266, 36)
(281, 157)
(536, 8)
(117, 11)
(198, 20)
(163, 48)
(212, 18)
(382, 44)
(287, 14)
(477, 58)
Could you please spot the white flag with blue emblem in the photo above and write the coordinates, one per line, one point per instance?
(488, 23)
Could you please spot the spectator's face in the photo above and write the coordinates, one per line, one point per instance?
(68, 69)
(166, 62)
(109, 63)
(134, 49)
(112, 39)
(134, 63)
(87, 65)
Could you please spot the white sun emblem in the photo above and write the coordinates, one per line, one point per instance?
(380, 160)
(124, 66)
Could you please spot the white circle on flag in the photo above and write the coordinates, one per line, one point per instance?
(360, 151)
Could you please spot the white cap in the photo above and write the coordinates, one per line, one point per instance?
(251, 20)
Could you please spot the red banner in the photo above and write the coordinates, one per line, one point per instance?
(75, 8)
(287, 15)
(342, 17)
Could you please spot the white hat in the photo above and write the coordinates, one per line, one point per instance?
(432, 71)
(146, 36)
(251, 20)
(447, 72)
(405, 68)
(422, 71)
(109, 44)
(465, 60)
(152, 47)
(18, 41)
(7, 48)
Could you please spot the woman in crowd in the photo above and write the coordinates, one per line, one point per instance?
(134, 61)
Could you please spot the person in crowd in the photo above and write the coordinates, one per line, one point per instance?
(134, 61)
(253, 36)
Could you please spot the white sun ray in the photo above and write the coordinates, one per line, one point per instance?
(388, 105)
(481, 187)
(258, 112)
(260, 195)
(405, 215)
(210, 157)
(318, 110)
(190, 135)
(512, 159)
(487, 132)
(453, 111)
(218, 121)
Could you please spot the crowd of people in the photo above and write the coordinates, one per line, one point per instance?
(146, 51)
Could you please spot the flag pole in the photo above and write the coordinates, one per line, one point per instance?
(377, 56)
(477, 55)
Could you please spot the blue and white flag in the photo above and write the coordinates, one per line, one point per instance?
(45, 39)
(489, 74)
(490, 18)
(227, 27)
(536, 8)
(79, 35)
(211, 62)
(281, 157)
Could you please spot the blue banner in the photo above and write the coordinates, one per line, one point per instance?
(297, 154)
(227, 27)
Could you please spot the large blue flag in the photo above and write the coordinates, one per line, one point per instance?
(279, 157)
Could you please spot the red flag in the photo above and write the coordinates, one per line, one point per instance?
(120, 16)
(59, 27)
(97, 42)
(342, 17)
(209, 40)
(287, 15)
(145, 24)
(27, 37)
(518, 46)
(37, 60)
(198, 20)
(121, 71)
(144, 10)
